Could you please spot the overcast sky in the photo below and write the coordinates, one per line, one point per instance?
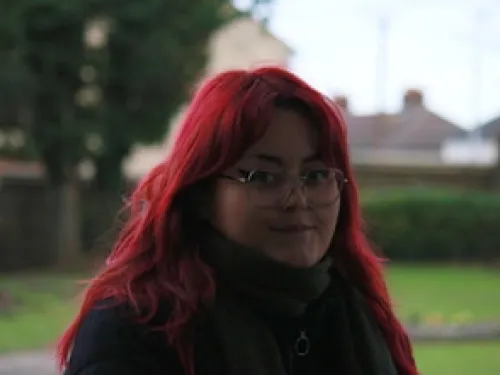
(430, 45)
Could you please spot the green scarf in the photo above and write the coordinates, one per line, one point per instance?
(252, 286)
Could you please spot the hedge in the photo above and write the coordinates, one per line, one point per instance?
(405, 224)
(434, 225)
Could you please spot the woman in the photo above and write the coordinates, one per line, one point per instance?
(244, 252)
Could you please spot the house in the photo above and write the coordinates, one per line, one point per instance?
(414, 135)
(19, 169)
(241, 44)
(482, 147)
(490, 129)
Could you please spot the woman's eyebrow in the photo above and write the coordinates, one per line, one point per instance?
(279, 161)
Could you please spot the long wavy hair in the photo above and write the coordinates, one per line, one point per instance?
(153, 258)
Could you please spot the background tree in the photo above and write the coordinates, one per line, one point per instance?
(153, 52)
(94, 77)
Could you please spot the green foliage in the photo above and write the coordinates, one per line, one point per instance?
(434, 225)
(156, 50)
(152, 52)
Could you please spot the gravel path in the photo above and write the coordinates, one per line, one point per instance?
(33, 363)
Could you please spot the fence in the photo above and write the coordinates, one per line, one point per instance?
(455, 177)
(27, 217)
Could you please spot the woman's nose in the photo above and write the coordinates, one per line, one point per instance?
(294, 196)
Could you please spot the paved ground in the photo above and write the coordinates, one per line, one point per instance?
(34, 363)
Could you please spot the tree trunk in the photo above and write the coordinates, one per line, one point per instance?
(68, 225)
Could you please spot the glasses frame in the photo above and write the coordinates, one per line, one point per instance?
(245, 181)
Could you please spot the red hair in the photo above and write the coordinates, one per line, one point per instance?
(153, 259)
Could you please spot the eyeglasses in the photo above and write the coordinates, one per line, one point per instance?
(321, 186)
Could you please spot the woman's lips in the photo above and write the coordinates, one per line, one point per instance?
(293, 228)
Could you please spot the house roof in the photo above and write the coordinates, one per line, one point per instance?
(367, 131)
(491, 128)
(419, 128)
(414, 127)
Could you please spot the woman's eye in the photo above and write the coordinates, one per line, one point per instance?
(260, 176)
(317, 176)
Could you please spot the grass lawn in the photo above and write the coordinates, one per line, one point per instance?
(44, 304)
(458, 359)
(471, 294)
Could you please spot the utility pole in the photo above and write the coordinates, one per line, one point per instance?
(477, 72)
(381, 73)
(262, 9)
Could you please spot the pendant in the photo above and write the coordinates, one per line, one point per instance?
(302, 344)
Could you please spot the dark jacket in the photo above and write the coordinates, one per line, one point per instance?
(110, 341)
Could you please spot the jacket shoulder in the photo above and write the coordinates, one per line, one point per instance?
(110, 336)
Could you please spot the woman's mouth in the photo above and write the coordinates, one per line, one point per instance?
(293, 228)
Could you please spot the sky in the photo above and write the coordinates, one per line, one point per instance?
(449, 49)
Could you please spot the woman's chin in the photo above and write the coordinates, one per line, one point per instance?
(297, 259)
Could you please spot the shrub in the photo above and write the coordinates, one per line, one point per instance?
(434, 225)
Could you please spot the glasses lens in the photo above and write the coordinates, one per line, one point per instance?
(321, 187)
(324, 190)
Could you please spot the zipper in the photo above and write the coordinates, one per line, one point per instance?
(300, 349)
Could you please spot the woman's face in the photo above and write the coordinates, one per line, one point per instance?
(290, 231)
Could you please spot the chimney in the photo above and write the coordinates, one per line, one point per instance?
(342, 102)
(413, 98)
